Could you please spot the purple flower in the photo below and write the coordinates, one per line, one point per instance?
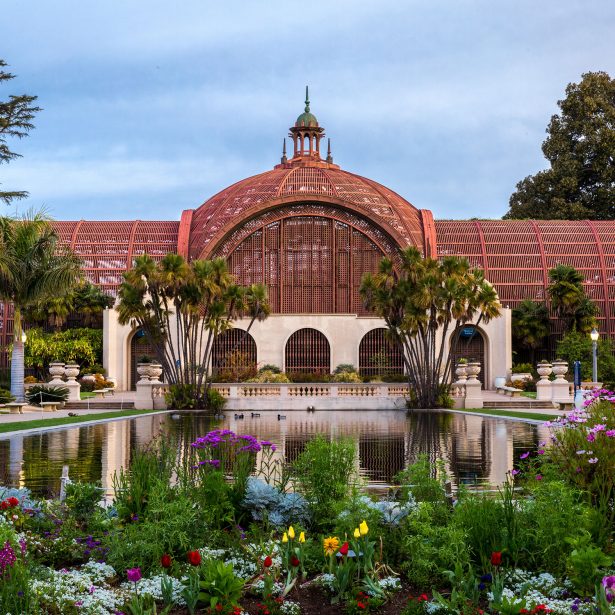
(7, 557)
(541, 451)
(524, 455)
(609, 582)
(515, 472)
(593, 460)
(610, 433)
(134, 574)
(590, 436)
(538, 476)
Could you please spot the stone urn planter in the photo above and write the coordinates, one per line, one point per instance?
(560, 369)
(544, 370)
(56, 369)
(461, 372)
(154, 372)
(473, 369)
(88, 378)
(520, 377)
(71, 371)
(143, 371)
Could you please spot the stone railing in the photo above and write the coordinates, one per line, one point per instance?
(290, 396)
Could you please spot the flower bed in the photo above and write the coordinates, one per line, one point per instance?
(233, 528)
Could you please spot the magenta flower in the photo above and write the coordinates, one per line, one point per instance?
(538, 476)
(134, 574)
(591, 437)
(515, 472)
(524, 455)
(610, 433)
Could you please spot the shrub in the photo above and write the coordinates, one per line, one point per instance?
(82, 500)
(325, 472)
(270, 368)
(39, 393)
(5, 396)
(523, 368)
(307, 377)
(344, 368)
(181, 397)
(346, 377)
(270, 376)
(96, 368)
(215, 400)
(30, 380)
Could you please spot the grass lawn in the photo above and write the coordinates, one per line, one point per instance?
(87, 395)
(536, 416)
(69, 420)
(530, 394)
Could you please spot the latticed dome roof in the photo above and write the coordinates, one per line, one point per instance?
(218, 216)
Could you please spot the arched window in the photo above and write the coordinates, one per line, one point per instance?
(468, 343)
(378, 356)
(139, 347)
(307, 351)
(233, 356)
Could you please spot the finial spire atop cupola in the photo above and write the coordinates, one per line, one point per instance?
(306, 135)
(329, 156)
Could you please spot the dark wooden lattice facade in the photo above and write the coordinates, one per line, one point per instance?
(378, 356)
(234, 351)
(307, 351)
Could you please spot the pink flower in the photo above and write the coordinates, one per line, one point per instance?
(593, 460)
(515, 472)
(610, 433)
(538, 476)
(134, 574)
(590, 436)
(524, 455)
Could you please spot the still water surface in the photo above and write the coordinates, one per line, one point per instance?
(476, 450)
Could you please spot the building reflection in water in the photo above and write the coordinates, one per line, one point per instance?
(474, 449)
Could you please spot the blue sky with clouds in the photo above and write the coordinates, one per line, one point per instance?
(152, 107)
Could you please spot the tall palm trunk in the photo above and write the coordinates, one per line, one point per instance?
(17, 359)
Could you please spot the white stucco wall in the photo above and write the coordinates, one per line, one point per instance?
(343, 331)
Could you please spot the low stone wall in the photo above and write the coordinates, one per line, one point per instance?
(321, 396)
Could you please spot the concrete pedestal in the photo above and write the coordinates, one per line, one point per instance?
(143, 398)
(474, 394)
(544, 390)
(74, 390)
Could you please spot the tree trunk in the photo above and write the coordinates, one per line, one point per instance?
(17, 359)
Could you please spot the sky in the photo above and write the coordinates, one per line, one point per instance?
(152, 107)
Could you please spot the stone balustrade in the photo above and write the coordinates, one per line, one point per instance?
(290, 396)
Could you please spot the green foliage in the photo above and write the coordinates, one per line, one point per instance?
(523, 368)
(270, 368)
(421, 302)
(181, 397)
(575, 346)
(215, 400)
(580, 182)
(39, 393)
(568, 298)
(426, 482)
(429, 549)
(203, 298)
(220, 586)
(586, 564)
(15, 593)
(325, 471)
(16, 115)
(83, 346)
(265, 375)
(530, 325)
(83, 500)
(5, 396)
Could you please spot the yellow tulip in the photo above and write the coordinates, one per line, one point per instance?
(291, 532)
(357, 533)
(363, 527)
(302, 537)
(285, 537)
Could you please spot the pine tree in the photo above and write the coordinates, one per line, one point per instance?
(16, 115)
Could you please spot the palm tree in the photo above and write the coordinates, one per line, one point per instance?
(34, 267)
(530, 325)
(565, 290)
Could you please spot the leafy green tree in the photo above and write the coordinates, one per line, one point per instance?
(568, 298)
(530, 325)
(580, 146)
(576, 346)
(86, 301)
(16, 115)
(83, 346)
(181, 307)
(34, 266)
(422, 304)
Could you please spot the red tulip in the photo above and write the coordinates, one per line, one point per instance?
(194, 558)
(344, 549)
(166, 561)
(268, 562)
(294, 560)
(4, 505)
(496, 558)
(13, 501)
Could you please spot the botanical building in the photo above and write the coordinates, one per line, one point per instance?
(309, 230)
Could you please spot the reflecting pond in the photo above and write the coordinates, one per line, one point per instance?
(475, 449)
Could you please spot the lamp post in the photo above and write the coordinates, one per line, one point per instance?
(594, 335)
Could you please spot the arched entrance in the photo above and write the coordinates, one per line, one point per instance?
(378, 356)
(307, 351)
(233, 356)
(470, 345)
(139, 347)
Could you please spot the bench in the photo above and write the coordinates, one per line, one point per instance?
(100, 392)
(50, 406)
(16, 407)
(512, 392)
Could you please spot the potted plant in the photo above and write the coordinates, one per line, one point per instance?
(461, 370)
(143, 367)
